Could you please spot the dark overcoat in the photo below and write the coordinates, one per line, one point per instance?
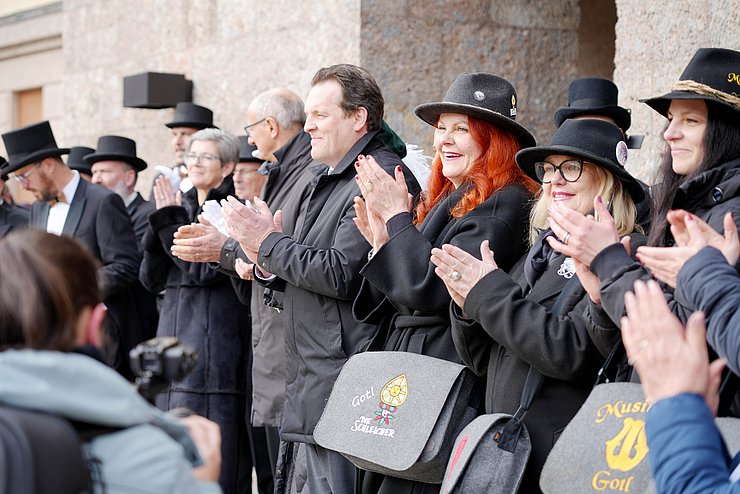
(201, 309)
(319, 270)
(98, 219)
(11, 217)
(511, 328)
(402, 293)
(139, 210)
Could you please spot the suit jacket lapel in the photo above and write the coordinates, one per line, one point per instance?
(553, 280)
(76, 209)
(39, 215)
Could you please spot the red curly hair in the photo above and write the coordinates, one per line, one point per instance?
(494, 169)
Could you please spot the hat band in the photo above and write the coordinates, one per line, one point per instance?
(704, 90)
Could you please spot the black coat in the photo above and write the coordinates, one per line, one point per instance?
(201, 309)
(510, 330)
(401, 289)
(402, 292)
(710, 196)
(139, 210)
(319, 270)
(11, 217)
(146, 301)
(98, 219)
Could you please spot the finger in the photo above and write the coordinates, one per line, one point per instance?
(442, 259)
(566, 218)
(626, 243)
(696, 335)
(401, 180)
(178, 198)
(410, 201)
(278, 219)
(203, 221)
(486, 254)
(602, 211)
(262, 207)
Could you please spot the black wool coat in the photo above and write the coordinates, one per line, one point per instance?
(509, 329)
(12, 217)
(319, 270)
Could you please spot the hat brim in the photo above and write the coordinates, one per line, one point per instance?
(526, 158)
(620, 115)
(192, 125)
(430, 112)
(34, 157)
(661, 104)
(138, 163)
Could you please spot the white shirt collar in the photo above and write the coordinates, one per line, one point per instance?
(129, 199)
(71, 187)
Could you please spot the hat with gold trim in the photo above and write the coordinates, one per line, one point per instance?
(713, 74)
(484, 96)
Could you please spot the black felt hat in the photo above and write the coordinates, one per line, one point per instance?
(30, 144)
(713, 74)
(480, 95)
(3, 166)
(75, 161)
(594, 96)
(116, 148)
(595, 141)
(193, 116)
(246, 150)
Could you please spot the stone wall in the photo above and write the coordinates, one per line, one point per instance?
(654, 42)
(231, 50)
(416, 49)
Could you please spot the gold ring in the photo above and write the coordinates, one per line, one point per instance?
(369, 186)
(455, 276)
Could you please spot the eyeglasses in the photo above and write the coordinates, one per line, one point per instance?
(205, 158)
(23, 177)
(570, 170)
(244, 172)
(249, 126)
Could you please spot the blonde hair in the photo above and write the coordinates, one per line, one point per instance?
(620, 204)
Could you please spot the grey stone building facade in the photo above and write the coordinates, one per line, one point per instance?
(79, 51)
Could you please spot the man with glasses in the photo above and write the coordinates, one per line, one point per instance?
(11, 215)
(67, 205)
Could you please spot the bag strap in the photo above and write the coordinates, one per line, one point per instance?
(509, 435)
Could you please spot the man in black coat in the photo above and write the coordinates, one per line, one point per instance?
(68, 205)
(318, 267)
(11, 216)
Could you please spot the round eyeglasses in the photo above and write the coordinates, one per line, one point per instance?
(205, 158)
(570, 170)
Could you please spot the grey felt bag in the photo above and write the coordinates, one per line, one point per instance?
(398, 413)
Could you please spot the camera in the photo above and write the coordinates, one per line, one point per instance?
(159, 361)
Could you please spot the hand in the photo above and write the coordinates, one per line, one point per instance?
(461, 271)
(370, 224)
(207, 438)
(581, 237)
(385, 195)
(164, 195)
(669, 360)
(198, 243)
(244, 270)
(691, 234)
(247, 226)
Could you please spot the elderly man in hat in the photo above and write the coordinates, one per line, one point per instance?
(318, 267)
(75, 161)
(11, 215)
(67, 205)
(116, 167)
(189, 118)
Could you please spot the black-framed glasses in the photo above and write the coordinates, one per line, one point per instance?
(570, 170)
(205, 158)
(247, 127)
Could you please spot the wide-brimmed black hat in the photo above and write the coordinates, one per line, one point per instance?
(3, 166)
(246, 150)
(193, 116)
(30, 144)
(594, 96)
(480, 95)
(116, 148)
(595, 141)
(713, 74)
(75, 161)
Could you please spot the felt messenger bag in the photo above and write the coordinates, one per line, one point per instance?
(398, 413)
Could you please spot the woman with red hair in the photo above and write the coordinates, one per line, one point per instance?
(475, 192)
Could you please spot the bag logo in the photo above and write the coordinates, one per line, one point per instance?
(624, 451)
(392, 395)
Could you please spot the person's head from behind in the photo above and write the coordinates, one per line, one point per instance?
(273, 118)
(49, 296)
(584, 160)
(343, 105)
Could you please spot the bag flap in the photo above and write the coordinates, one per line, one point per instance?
(465, 445)
(384, 405)
(604, 447)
